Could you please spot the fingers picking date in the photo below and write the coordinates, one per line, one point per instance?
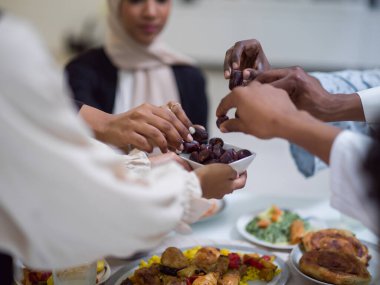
(220, 120)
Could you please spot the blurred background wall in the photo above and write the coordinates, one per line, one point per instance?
(316, 34)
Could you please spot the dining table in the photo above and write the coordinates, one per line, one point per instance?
(221, 228)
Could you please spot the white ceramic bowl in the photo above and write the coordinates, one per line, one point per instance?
(240, 165)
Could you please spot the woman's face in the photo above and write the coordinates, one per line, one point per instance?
(143, 20)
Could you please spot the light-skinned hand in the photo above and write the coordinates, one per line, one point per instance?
(147, 126)
(219, 179)
(260, 110)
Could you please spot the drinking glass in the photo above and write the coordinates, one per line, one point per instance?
(80, 275)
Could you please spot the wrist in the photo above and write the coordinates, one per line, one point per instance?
(343, 107)
(293, 124)
(311, 134)
(97, 120)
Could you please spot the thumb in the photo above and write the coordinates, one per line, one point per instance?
(225, 104)
(231, 125)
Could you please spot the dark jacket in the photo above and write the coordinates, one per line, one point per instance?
(93, 80)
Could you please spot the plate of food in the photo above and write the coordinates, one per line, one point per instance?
(334, 256)
(217, 206)
(200, 265)
(34, 277)
(276, 228)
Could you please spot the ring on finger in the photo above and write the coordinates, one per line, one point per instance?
(172, 106)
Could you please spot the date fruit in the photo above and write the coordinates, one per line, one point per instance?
(204, 155)
(217, 151)
(216, 141)
(236, 79)
(200, 134)
(189, 147)
(243, 153)
(194, 156)
(230, 155)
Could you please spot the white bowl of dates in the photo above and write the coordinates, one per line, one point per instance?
(202, 151)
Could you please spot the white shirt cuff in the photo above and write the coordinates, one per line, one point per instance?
(371, 104)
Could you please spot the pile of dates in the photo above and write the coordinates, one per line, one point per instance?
(206, 151)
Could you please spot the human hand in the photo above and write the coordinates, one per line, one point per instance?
(261, 110)
(219, 179)
(169, 156)
(147, 126)
(247, 56)
(305, 91)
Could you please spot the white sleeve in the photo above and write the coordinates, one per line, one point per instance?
(135, 161)
(371, 104)
(349, 183)
(63, 200)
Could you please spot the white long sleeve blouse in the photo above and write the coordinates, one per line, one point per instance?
(64, 200)
(349, 182)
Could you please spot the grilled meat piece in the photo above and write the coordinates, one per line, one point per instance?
(334, 267)
(174, 258)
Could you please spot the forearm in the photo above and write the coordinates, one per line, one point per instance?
(311, 134)
(343, 107)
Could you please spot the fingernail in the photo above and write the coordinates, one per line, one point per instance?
(177, 151)
(181, 147)
(192, 131)
(226, 74)
(189, 138)
(235, 65)
(223, 130)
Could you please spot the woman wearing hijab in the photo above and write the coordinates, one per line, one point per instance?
(136, 67)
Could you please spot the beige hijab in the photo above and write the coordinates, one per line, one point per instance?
(153, 78)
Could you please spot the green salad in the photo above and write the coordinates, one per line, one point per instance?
(274, 225)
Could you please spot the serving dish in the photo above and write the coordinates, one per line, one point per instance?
(239, 166)
(373, 268)
(245, 219)
(280, 279)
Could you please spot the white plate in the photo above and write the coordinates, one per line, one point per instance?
(240, 165)
(218, 206)
(244, 220)
(280, 279)
(373, 268)
(103, 276)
